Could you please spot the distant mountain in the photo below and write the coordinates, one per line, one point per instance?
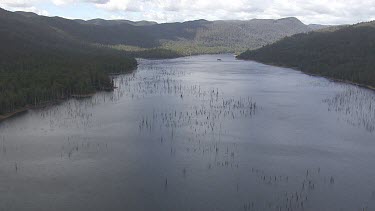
(318, 26)
(27, 14)
(338, 27)
(189, 37)
(345, 53)
(368, 23)
(242, 35)
(22, 32)
(103, 22)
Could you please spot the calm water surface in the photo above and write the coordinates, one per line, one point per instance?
(196, 134)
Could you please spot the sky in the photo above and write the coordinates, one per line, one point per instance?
(308, 11)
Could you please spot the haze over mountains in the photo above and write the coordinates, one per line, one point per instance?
(190, 37)
(103, 22)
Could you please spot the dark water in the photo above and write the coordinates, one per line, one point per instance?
(196, 134)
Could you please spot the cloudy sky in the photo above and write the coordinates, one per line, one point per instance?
(308, 11)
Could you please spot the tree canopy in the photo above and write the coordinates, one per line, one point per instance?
(39, 64)
(346, 54)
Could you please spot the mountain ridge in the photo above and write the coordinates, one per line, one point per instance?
(190, 37)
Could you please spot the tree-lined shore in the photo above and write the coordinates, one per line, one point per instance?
(346, 54)
(39, 65)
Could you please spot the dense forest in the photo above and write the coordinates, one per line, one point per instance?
(39, 64)
(44, 59)
(186, 38)
(345, 53)
(147, 53)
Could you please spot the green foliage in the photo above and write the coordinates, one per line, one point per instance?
(346, 54)
(155, 53)
(38, 64)
(43, 77)
(187, 48)
(187, 38)
(148, 53)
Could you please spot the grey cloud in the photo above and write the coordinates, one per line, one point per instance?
(97, 1)
(17, 4)
(309, 11)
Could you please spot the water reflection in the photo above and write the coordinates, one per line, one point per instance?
(355, 105)
(195, 134)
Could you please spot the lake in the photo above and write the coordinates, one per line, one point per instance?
(196, 133)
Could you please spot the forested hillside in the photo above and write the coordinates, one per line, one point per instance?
(346, 53)
(103, 22)
(191, 37)
(47, 58)
(40, 64)
(242, 35)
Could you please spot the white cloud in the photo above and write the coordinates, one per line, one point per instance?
(309, 11)
(121, 5)
(62, 2)
(22, 5)
(17, 3)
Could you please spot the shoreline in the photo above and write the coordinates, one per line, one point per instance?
(41, 105)
(107, 89)
(13, 114)
(26, 108)
(369, 87)
(81, 96)
(341, 81)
